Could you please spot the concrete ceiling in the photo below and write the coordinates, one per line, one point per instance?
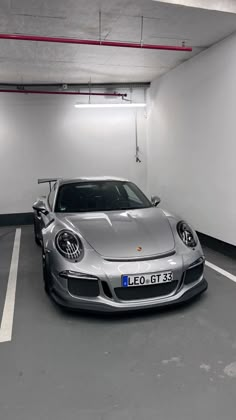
(34, 62)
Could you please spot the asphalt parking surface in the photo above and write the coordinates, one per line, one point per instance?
(175, 364)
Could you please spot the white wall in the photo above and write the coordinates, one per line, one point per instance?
(192, 140)
(45, 136)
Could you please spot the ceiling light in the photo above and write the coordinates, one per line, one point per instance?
(130, 105)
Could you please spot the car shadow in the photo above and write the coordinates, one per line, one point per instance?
(131, 316)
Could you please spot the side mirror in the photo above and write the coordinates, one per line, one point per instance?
(155, 200)
(40, 207)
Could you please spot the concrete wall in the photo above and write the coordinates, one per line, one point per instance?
(45, 136)
(192, 140)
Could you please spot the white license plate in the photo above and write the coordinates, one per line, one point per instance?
(147, 279)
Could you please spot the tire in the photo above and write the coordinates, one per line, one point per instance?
(46, 274)
(36, 238)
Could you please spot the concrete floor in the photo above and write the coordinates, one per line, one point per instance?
(169, 364)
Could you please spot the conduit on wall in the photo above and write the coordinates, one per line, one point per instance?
(137, 150)
(61, 40)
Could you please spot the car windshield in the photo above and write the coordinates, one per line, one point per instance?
(99, 196)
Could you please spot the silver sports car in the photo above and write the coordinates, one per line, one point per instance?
(107, 247)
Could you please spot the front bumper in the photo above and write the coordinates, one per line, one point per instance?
(188, 282)
(101, 304)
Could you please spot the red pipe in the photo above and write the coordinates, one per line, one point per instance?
(93, 42)
(46, 92)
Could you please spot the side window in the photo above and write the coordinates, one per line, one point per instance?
(51, 196)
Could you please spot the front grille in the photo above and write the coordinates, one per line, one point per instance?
(193, 274)
(146, 292)
(83, 287)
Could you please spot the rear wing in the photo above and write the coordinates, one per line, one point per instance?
(50, 181)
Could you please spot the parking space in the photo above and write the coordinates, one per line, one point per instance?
(171, 364)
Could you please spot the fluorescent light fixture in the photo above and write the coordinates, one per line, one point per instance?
(130, 105)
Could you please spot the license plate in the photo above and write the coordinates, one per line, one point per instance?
(147, 279)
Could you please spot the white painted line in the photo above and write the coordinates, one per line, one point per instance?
(9, 306)
(221, 271)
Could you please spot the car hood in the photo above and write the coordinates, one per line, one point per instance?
(119, 234)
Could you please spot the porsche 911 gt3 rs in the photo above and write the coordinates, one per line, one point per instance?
(107, 247)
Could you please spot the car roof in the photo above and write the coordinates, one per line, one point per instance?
(62, 181)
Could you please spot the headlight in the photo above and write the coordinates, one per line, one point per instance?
(186, 234)
(69, 245)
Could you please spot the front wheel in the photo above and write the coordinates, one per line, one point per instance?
(36, 238)
(46, 274)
